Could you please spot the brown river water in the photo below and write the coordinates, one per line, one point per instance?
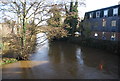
(63, 60)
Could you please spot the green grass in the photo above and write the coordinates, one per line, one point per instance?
(7, 61)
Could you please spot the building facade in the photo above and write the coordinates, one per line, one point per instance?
(104, 23)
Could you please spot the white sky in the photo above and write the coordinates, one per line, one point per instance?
(97, 4)
(91, 5)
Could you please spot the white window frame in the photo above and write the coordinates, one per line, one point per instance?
(113, 23)
(103, 36)
(104, 23)
(103, 33)
(91, 15)
(113, 36)
(105, 13)
(98, 12)
(115, 11)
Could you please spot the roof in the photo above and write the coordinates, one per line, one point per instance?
(104, 8)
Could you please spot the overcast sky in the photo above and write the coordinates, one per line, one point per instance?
(97, 4)
(92, 4)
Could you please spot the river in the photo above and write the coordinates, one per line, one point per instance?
(63, 60)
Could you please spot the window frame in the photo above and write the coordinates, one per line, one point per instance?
(91, 15)
(113, 23)
(106, 13)
(113, 36)
(97, 16)
(115, 11)
(104, 23)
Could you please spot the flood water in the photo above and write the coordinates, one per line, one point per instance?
(63, 60)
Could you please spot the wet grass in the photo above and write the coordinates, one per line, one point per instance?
(7, 61)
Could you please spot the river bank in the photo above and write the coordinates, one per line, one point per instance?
(108, 46)
(11, 49)
(64, 60)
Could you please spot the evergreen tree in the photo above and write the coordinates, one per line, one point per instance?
(72, 17)
(75, 9)
(71, 6)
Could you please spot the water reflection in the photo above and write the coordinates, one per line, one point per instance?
(63, 60)
(65, 56)
(77, 61)
(57, 52)
(79, 56)
(106, 62)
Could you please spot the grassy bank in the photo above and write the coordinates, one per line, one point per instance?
(7, 61)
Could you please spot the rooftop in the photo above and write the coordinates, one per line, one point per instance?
(104, 8)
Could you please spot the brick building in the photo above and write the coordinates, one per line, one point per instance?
(104, 23)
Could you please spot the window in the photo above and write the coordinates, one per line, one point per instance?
(95, 34)
(113, 23)
(113, 36)
(103, 33)
(103, 22)
(115, 11)
(103, 36)
(91, 15)
(105, 13)
(98, 14)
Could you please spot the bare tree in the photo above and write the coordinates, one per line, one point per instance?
(28, 14)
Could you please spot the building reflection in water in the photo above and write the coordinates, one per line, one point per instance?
(100, 60)
(74, 58)
(63, 60)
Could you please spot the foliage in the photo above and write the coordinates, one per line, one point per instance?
(22, 43)
(7, 60)
(55, 32)
(1, 45)
(55, 19)
(72, 17)
(23, 52)
(27, 12)
(55, 28)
